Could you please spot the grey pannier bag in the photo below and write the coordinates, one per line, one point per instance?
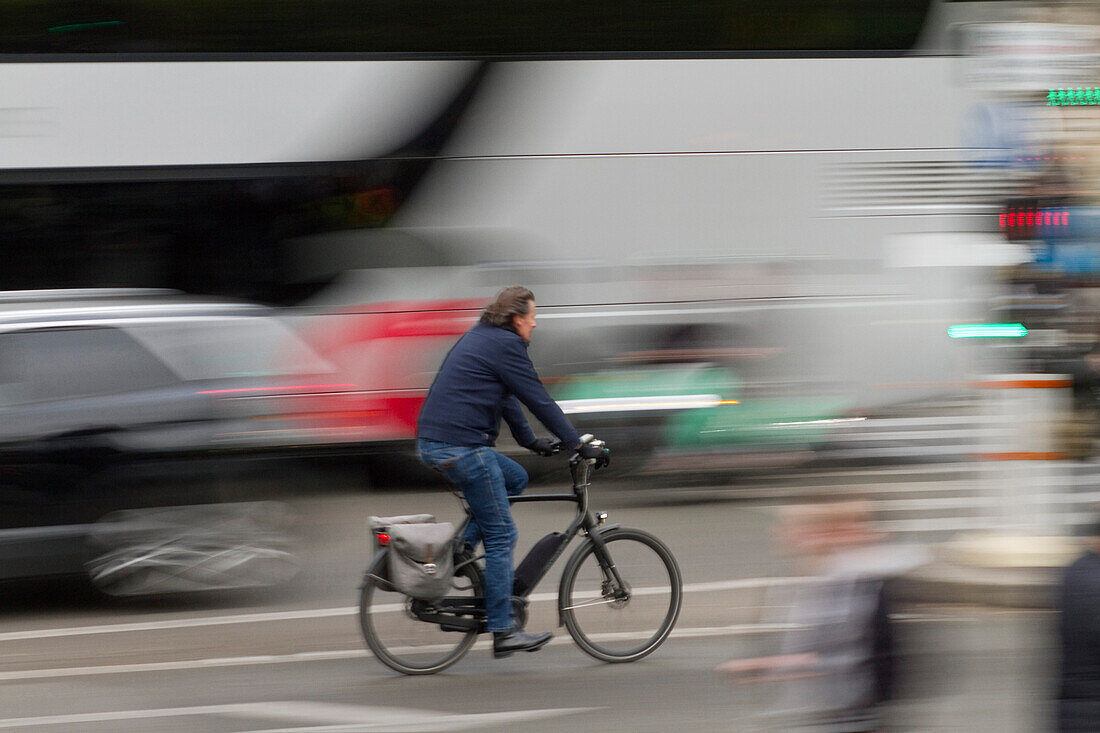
(421, 557)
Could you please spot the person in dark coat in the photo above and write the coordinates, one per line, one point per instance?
(484, 378)
(1079, 602)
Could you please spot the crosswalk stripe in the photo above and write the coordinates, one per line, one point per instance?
(341, 654)
(249, 618)
(334, 716)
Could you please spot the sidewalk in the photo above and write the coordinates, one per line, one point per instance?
(1006, 570)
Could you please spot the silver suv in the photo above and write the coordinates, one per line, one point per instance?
(131, 422)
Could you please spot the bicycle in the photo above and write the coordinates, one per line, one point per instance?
(619, 595)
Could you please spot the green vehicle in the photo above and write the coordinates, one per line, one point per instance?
(698, 410)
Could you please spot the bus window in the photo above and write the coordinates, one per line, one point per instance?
(464, 27)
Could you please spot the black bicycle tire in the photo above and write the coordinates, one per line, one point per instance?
(466, 569)
(569, 577)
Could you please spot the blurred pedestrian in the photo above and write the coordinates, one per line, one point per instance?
(837, 667)
(1079, 628)
(484, 378)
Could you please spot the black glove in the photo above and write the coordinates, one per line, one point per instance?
(598, 452)
(543, 446)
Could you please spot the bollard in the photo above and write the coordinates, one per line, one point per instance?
(1023, 413)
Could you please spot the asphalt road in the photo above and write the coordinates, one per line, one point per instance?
(291, 658)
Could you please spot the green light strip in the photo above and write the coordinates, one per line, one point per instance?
(987, 330)
(83, 26)
(1073, 97)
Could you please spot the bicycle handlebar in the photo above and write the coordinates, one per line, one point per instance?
(587, 439)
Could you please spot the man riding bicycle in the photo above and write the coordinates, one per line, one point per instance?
(485, 377)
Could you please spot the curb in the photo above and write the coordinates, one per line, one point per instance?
(941, 582)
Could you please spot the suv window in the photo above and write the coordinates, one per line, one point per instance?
(63, 363)
(224, 348)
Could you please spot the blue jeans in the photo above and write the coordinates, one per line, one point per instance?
(486, 479)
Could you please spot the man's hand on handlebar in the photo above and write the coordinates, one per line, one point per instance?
(544, 446)
(599, 453)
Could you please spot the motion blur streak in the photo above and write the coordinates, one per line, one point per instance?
(829, 289)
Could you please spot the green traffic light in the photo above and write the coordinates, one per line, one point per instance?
(987, 330)
(1079, 97)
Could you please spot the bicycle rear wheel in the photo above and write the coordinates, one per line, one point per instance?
(401, 640)
(621, 622)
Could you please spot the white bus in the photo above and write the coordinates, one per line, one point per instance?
(783, 188)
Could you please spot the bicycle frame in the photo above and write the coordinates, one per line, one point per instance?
(592, 524)
(462, 614)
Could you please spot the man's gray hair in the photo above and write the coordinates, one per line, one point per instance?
(514, 300)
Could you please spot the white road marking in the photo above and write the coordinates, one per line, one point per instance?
(335, 717)
(143, 667)
(137, 667)
(178, 623)
(249, 618)
(421, 720)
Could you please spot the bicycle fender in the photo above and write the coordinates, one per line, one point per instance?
(575, 558)
(604, 528)
(376, 567)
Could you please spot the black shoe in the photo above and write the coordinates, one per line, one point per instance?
(506, 642)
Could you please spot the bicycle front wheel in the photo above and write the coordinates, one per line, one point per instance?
(620, 603)
(399, 638)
